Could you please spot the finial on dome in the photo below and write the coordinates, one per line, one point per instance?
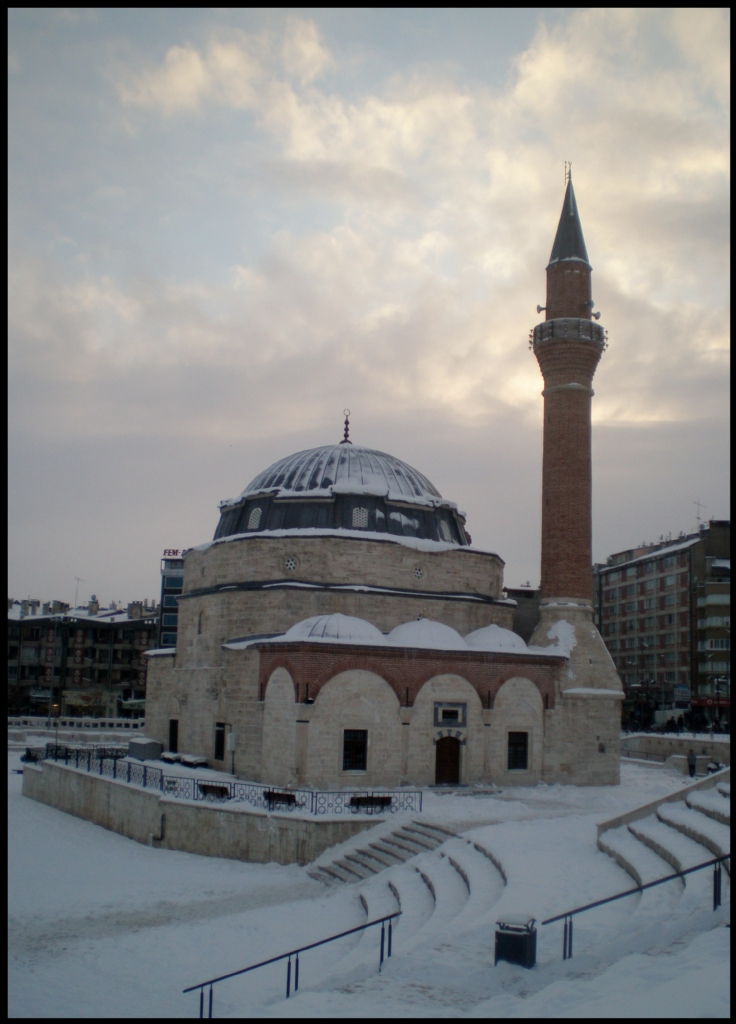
(346, 439)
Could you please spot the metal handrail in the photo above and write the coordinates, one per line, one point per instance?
(568, 915)
(295, 953)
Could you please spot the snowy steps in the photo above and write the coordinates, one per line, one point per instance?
(678, 836)
(713, 805)
(399, 846)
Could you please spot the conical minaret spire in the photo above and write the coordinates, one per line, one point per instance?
(569, 243)
(568, 270)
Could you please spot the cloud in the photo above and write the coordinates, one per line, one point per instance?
(407, 230)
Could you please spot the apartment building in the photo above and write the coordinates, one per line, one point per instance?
(79, 661)
(663, 612)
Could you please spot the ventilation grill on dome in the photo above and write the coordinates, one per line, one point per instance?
(254, 519)
(360, 518)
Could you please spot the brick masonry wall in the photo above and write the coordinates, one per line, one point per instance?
(406, 671)
(566, 466)
(568, 289)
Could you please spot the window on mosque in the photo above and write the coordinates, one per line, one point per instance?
(254, 519)
(518, 751)
(219, 741)
(446, 533)
(360, 518)
(354, 750)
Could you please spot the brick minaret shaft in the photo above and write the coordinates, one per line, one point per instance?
(568, 346)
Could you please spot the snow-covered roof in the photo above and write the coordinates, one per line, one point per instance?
(83, 614)
(344, 469)
(494, 638)
(336, 627)
(418, 634)
(722, 563)
(653, 553)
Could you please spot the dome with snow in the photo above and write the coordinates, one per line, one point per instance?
(494, 638)
(343, 487)
(336, 628)
(426, 633)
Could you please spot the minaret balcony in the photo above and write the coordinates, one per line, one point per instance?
(569, 329)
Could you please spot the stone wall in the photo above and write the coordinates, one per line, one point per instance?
(664, 746)
(152, 819)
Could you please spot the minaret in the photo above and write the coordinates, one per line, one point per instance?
(568, 346)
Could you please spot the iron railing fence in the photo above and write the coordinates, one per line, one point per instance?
(295, 953)
(114, 764)
(568, 915)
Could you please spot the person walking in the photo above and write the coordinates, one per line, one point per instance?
(691, 763)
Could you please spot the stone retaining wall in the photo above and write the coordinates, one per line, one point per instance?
(718, 749)
(214, 831)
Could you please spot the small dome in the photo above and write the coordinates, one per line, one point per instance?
(336, 628)
(494, 638)
(426, 633)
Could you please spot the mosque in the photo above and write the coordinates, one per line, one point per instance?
(342, 632)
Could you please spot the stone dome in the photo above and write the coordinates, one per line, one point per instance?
(426, 633)
(335, 628)
(343, 487)
(494, 638)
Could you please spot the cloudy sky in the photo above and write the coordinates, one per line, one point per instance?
(228, 225)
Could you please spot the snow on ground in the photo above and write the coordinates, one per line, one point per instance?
(101, 926)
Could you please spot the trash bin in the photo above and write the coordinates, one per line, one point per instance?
(516, 940)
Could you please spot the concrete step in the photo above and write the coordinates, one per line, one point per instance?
(409, 835)
(440, 831)
(643, 865)
(390, 851)
(450, 895)
(363, 861)
(678, 850)
(381, 860)
(333, 873)
(425, 835)
(712, 836)
(415, 901)
(351, 868)
(485, 883)
(712, 804)
(402, 844)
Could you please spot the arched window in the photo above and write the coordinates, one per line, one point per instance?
(254, 519)
(360, 518)
(446, 533)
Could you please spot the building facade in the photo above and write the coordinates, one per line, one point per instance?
(172, 576)
(340, 630)
(79, 661)
(664, 612)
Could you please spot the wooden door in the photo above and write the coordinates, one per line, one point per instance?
(447, 772)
